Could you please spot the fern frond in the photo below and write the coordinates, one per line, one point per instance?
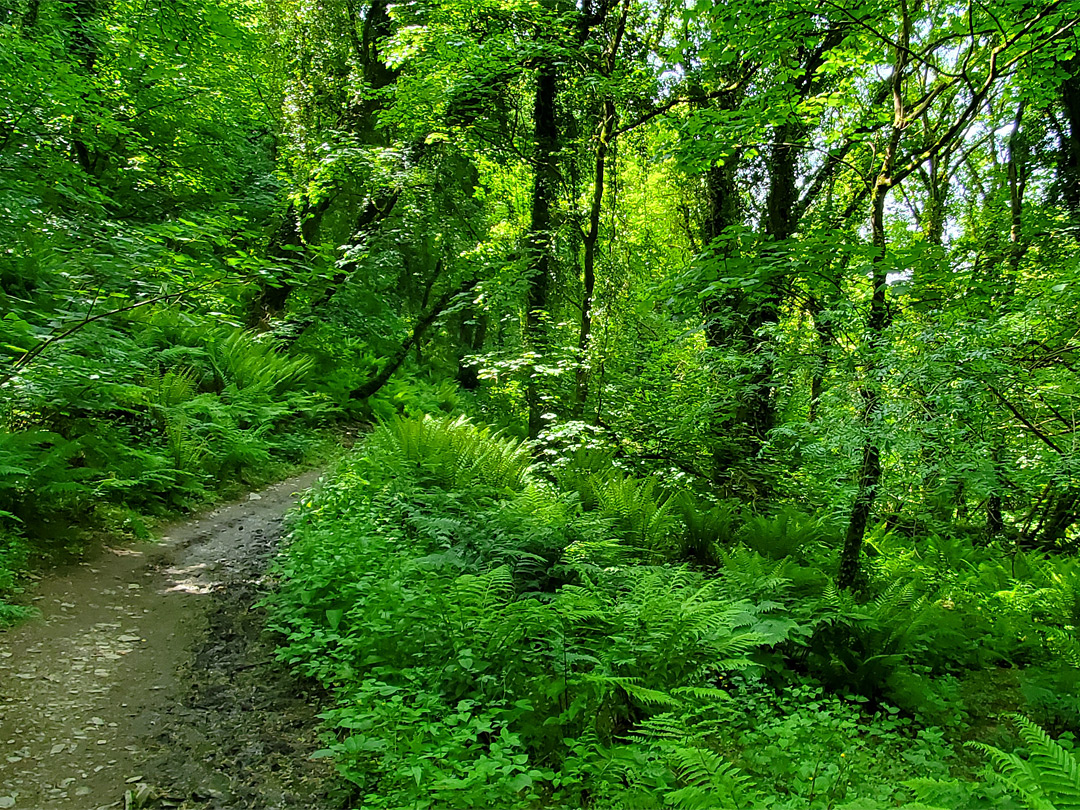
(711, 783)
(1049, 779)
(660, 727)
(456, 451)
(484, 592)
(1058, 770)
(633, 688)
(703, 693)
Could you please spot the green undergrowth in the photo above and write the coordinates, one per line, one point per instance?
(142, 418)
(14, 554)
(501, 633)
(152, 414)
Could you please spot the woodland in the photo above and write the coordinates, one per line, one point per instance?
(717, 363)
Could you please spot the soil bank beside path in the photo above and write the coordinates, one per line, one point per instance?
(147, 682)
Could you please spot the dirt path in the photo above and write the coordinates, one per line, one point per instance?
(147, 681)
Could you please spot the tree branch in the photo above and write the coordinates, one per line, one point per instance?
(1026, 422)
(38, 350)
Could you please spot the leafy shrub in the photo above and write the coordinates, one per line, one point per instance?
(1052, 693)
(806, 748)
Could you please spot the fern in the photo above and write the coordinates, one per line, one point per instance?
(746, 574)
(1061, 595)
(1048, 779)
(640, 516)
(173, 388)
(242, 360)
(784, 534)
(40, 466)
(1065, 645)
(228, 354)
(633, 688)
(710, 782)
(455, 452)
(476, 594)
(665, 727)
(165, 395)
(585, 471)
(859, 646)
(708, 530)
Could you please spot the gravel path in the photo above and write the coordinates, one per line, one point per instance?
(147, 682)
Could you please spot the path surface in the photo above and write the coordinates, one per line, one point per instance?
(147, 681)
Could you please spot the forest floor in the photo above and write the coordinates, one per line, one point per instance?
(148, 680)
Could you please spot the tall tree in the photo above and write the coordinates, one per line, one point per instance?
(909, 142)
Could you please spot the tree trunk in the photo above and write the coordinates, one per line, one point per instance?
(302, 222)
(756, 409)
(722, 210)
(995, 522)
(733, 317)
(1068, 169)
(592, 236)
(877, 322)
(545, 187)
(472, 332)
(721, 311)
(374, 213)
(933, 219)
(1017, 171)
(1017, 174)
(30, 18)
(296, 229)
(826, 339)
(83, 46)
(1060, 516)
(366, 34)
(936, 502)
